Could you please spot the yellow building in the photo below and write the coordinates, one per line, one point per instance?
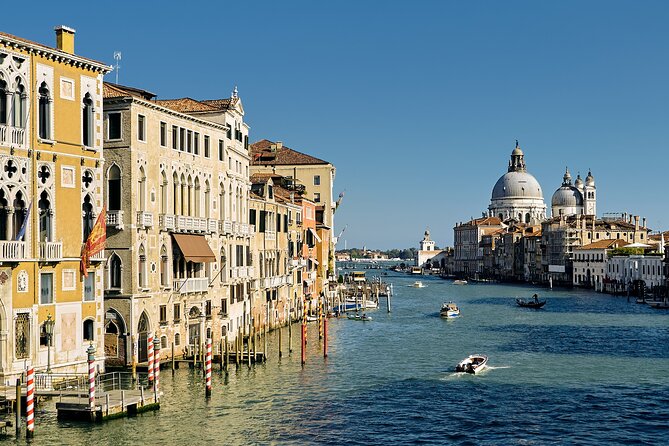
(50, 196)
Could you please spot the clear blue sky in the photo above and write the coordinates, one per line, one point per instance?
(418, 104)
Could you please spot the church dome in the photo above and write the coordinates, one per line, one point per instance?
(567, 196)
(590, 180)
(579, 182)
(517, 185)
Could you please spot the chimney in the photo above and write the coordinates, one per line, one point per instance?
(643, 225)
(279, 145)
(65, 38)
(636, 222)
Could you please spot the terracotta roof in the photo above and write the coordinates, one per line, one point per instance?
(186, 105)
(266, 152)
(605, 244)
(220, 104)
(54, 50)
(110, 90)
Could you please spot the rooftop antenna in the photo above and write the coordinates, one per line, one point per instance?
(117, 58)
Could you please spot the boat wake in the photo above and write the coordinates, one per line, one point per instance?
(498, 367)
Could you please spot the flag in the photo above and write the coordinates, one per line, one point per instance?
(94, 243)
(339, 199)
(24, 225)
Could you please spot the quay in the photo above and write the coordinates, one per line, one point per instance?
(112, 404)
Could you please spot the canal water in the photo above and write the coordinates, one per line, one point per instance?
(589, 368)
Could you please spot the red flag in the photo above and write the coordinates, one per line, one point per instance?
(94, 243)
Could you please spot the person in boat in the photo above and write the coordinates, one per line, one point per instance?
(536, 298)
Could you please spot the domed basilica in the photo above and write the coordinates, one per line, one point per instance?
(517, 194)
(579, 198)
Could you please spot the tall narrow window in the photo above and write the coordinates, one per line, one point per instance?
(89, 287)
(163, 134)
(141, 190)
(87, 121)
(141, 270)
(114, 271)
(44, 112)
(114, 188)
(89, 330)
(4, 216)
(87, 211)
(189, 141)
(175, 137)
(196, 143)
(317, 180)
(46, 288)
(182, 139)
(220, 150)
(19, 106)
(20, 213)
(113, 126)
(206, 147)
(3, 102)
(44, 218)
(164, 271)
(141, 128)
(163, 193)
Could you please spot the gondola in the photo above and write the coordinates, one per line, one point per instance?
(531, 303)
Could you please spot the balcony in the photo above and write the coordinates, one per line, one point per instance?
(212, 225)
(12, 135)
(145, 219)
(115, 219)
(270, 235)
(191, 285)
(50, 251)
(298, 262)
(167, 222)
(276, 281)
(11, 251)
(191, 224)
(99, 257)
(226, 227)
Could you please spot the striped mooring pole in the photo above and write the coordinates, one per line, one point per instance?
(207, 376)
(30, 402)
(91, 377)
(149, 347)
(156, 369)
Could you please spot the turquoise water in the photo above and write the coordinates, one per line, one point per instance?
(589, 368)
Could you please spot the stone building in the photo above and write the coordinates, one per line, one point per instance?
(591, 263)
(51, 164)
(178, 247)
(468, 253)
(428, 257)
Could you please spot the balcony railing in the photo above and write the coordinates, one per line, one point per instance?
(145, 219)
(50, 251)
(12, 135)
(99, 257)
(18, 136)
(168, 222)
(227, 227)
(212, 224)
(270, 235)
(191, 285)
(115, 219)
(191, 224)
(12, 251)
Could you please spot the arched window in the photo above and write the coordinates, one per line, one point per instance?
(163, 193)
(19, 105)
(141, 190)
(176, 192)
(221, 201)
(89, 334)
(45, 215)
(141, 271)
(164, 270)
(115, 267)
(87, 121)
(222, 266)
(191, 208)
(19, 214)
(44, 112)
(196, 199)
(163, 342)
(114, 188)
(111, 328)
(4, 216)
(527, 217)
(177, 339)
(184, 196)
(87, 211)
(3, 102)
(207, 200)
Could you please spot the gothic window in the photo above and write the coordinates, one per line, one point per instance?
(184, 196)
(4, 216)
(221, 201)
(44, 112)
(141, 190)
(207, 200)
(19, 105)
(87, 121)
(22, 331)
(141, 271)
(114, 188)
(164, 272)
(196, 199)
(3, 102)
(177, 339)
(163, 193)
(89, 330)
(45, 216)
(115, 271)
(222, 265)
(87, 212)
(527, 217)
(175, 194)
(20, 213)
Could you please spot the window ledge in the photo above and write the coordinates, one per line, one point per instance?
(46, 141)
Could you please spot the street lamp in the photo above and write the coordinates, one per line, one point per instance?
(48, 330)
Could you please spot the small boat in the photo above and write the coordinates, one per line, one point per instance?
(418, 284)
(449, 310)
(531, 303)
(472, 364)
(312, 318)
(459, 282)
(357, 317)
(659, 305)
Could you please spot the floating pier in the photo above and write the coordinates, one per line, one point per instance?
(112, 404)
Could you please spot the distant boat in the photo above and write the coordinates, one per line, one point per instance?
(416, 270)
(357, 317)
(449, 310)
(312, 318)
(418, 284)
(531, 303)
(659, 305)
(472, 364)
(459, 282)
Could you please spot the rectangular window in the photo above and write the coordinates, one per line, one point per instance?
(228, 133)
(246, 142)
(285, 223)
(141, 128)
(220, 150)
(46, 288)
(317, 180)
(196, 143)
(317, 197)
(224, 307)
(163, 314)
(230, 162)
(182, 139)
(163, 134)
(207, 308)
(206, 147)
(175, 137)
(189, 141)
(278, 222)
(114, 126)
(252, 217)
(261, 222)
(89, 287)
(177, 312)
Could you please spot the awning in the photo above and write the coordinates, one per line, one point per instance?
(315, 235)
(194, 248)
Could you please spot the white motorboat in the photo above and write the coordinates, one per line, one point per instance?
(472, 364)
(418, 284)
(312, 318)
(449, 310)
(459, 282)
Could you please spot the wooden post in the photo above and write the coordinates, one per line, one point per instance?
(388, 301)
(319, 313)
(264, 351)
(123, 400)
(238, 356)
(18, 407)
(249, 346)
(221, 352)
(141, 394)
(325, 337)
(173, 358)
(30, 402)
(280, 352)
(304, 342)
(207, 368)
(225, 361)
(195, 354)
(107, 404)
(290, 333)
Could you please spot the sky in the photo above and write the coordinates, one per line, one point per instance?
(417, 104)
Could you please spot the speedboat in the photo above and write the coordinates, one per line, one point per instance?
(449, 310)
(418, 284)
(312, 318)
(459, 282)
(472, 364)
(531, 303)
(357, 317)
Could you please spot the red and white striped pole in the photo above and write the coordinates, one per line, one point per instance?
(91, 376)
(156, 367)
(30, 402)
(325, 336)
(207, 365)
(149, 347)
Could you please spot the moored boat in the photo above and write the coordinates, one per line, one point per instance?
(312, 318)
(472, 364)
(459, 282)
(418, 284)
(449, 310)
(531, 303)
(357, 317)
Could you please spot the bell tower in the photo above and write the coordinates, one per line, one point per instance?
(590, 195)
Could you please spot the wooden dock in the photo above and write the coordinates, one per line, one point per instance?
(111, 404)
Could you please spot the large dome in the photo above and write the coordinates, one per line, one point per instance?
(567, 196)
(517, 185)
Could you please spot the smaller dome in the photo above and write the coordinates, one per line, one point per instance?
(579, 182)
(566, 179)
(567, 196)
(590, 180)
